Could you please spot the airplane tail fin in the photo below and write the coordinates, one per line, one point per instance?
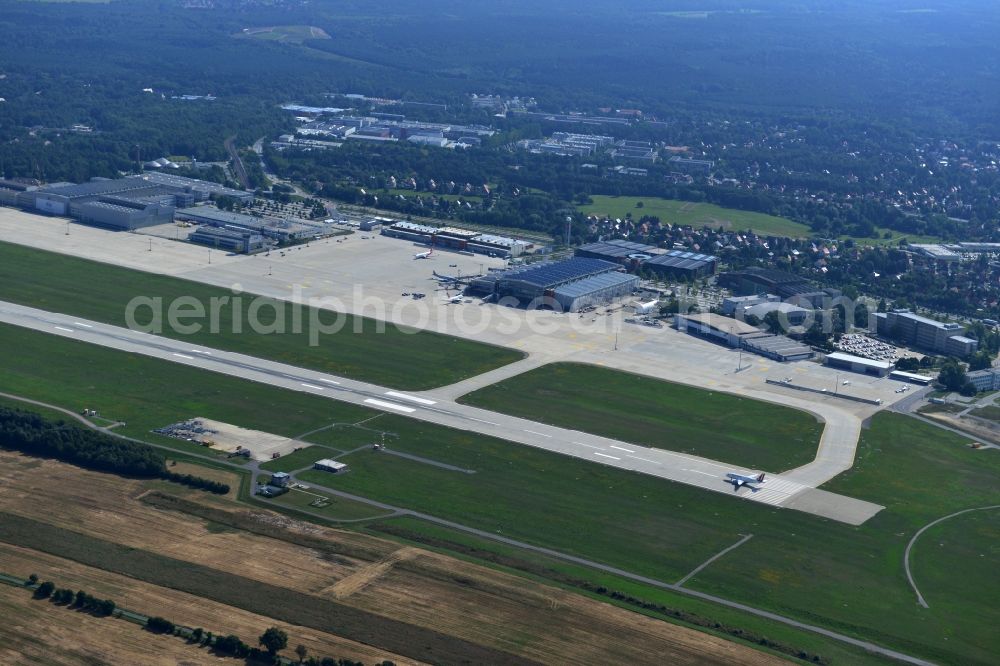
(760, 479)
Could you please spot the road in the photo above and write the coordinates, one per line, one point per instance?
(238, 168)
(440, 408)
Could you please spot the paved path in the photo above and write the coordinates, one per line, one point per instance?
(431, 407)
(399, 511)
(909, 546)
(704, 564)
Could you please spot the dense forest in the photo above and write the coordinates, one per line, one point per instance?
(836, 114)
(34, 435)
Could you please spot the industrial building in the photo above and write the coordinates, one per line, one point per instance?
(123, 204)
(681, 264)
(243, 242)
(462, 240)
(566, 285)
(624, 252)
(788, 313)
(735, 306)
(859, 364)
(753, 281)
(328, 465)
(740, 335)
(281, 231)
(913, 329)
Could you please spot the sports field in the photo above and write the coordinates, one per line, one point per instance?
(656, 413)
(396, 357)
(697, 215)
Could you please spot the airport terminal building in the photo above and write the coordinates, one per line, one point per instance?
(567, 285)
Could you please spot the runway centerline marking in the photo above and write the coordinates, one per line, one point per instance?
(589, 446)
(311, 386)
(645, 460)
(697, 471)
(390, 405)
(329, 381)
(63, 328)
(79, 323)
(190, 358)
(620, 448)
(473, 418)
(540, 434)
(411, 398)
(604, 455)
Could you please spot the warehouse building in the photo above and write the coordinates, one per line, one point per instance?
(789, 314)
(566, 285)
(122, 204)
(864, 366)
(233, 240)
(281, 231)
(624, 252)
(681, 264)
(328, 465)
(740, 335)
(755, 280)
(462, 240)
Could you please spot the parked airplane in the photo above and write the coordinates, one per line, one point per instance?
(454, 299)
(739, 480)
(424, 255)
(444, 278)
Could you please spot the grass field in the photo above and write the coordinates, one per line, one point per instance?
(292, 34)
(847, 578)
(657, 413)
(318, 577)
(696, 214)
(395, 357)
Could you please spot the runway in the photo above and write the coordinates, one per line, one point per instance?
(440, 408)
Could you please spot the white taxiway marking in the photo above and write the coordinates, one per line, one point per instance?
(77, 323)
(589, 446)
(621, 449)
(389, 405)
(329, 381)
(540, 434)
(62, 328)
(315, 388)
(190, 358)
(473, 418)
(604, 455)
(645, 460)
(411, 398)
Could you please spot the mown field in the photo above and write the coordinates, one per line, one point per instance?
(697, 215)
(847, 578)
(395, 357)
(656, 413)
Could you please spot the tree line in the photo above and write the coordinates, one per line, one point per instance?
(34, 435)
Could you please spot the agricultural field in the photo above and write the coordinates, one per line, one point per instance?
(317, 579)
(657, 413)
(697, 215)
(78, 638)
(795, 564)
(396, 357)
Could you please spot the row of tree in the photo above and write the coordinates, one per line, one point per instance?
(66, 597)
(32, 434)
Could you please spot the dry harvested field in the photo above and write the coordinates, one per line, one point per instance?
(155, 600)
(513, 616)
(77, 639)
